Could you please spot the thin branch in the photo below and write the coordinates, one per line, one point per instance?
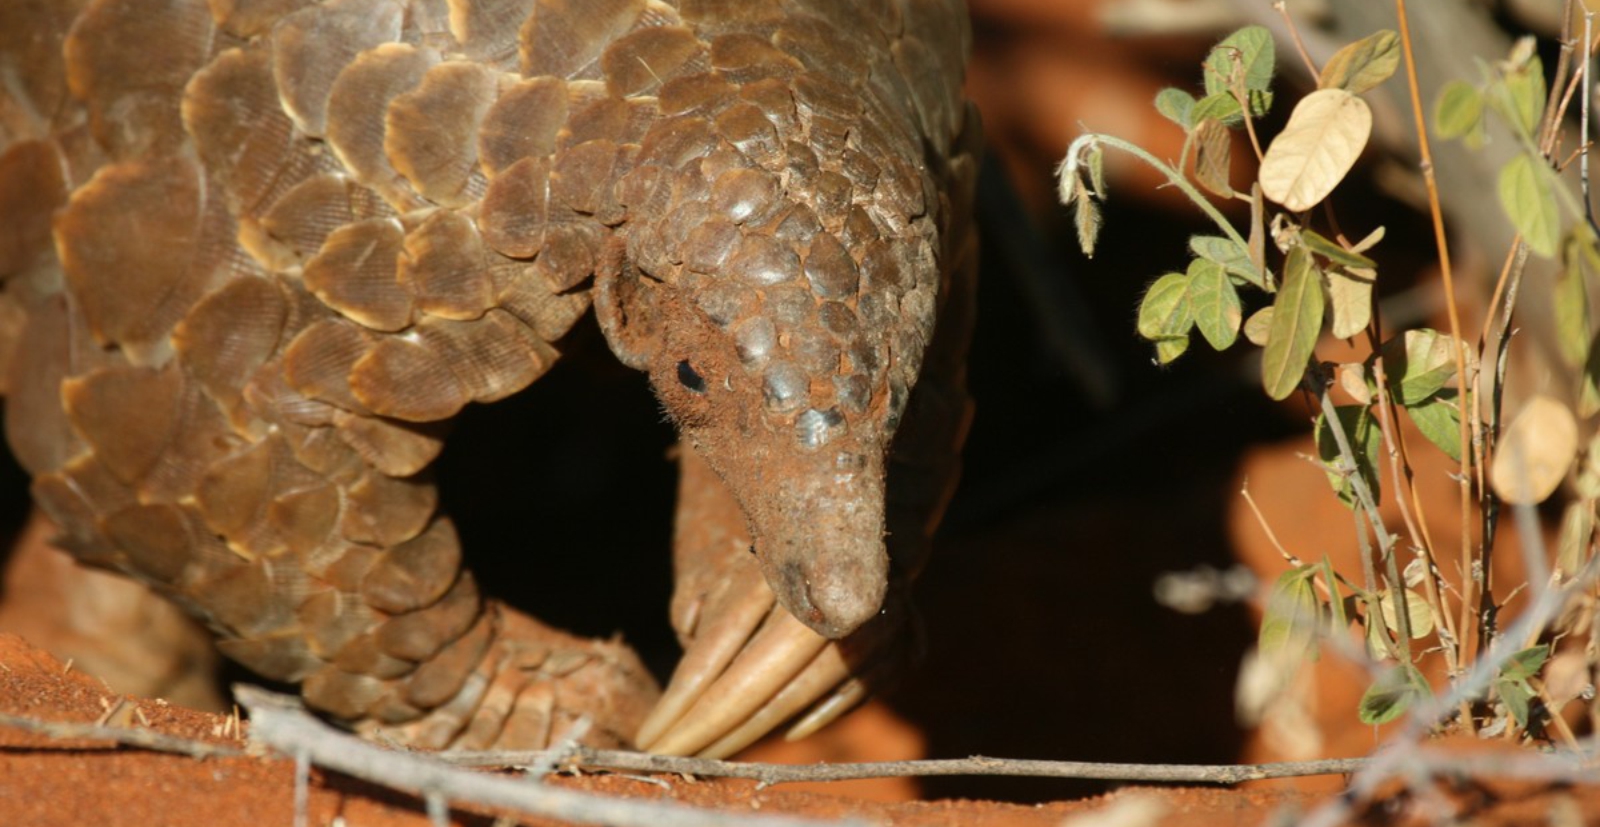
(1583, 140)
(1244, 491)
(572, 755)
(279, 722)
(147, 739)
(977, 765)
(1299, 45)
(1452, 310)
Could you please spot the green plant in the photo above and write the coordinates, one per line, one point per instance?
(1293, 261)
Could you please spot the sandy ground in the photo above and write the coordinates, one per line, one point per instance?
(47, 781)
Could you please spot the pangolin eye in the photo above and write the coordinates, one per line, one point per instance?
(688, 378)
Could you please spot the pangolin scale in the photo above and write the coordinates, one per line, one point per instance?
(257, 252)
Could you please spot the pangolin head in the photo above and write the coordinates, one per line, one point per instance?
(781, 305)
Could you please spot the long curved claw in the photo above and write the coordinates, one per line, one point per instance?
(722, 704)
(845, 697)
(730, 619)
(824, 672)
(778, 651)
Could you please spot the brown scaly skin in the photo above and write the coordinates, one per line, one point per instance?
(246, 282)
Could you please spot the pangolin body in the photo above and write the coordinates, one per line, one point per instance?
(256, 251)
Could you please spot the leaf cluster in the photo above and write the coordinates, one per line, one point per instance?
(1303, 279)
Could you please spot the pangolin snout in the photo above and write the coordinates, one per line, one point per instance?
(833, 600)
(822, 552)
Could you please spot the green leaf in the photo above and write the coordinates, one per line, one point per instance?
(1333, 252)
(1086, 218)
(1350, 294)
(1370, 241)
(1260, 102)
(1419, 615)
(1518, 697)
(1224, 251)
(1258, 328)
(1289, 624)
(1215, 303)
(1363, 64)
(1257, 242)
(1439, 419)
(1526, 663)
(1177, 106)
(1336, 603)
(1316, 149)
(1221, 107)
(1366, 441)
(1459, 110)
(1246, 56)
(1528, 198)
(1589, 387)
(1296, 323)
(1165, 312)
(1571, 299)
(1094, 159)
(1392, 694)
(1418, 364)
(1525, 95)
(1212, 143)
(1170, 348)
(1577, 528)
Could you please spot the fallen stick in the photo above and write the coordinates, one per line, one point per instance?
(148, 739)
(279, 722)
(583, 757)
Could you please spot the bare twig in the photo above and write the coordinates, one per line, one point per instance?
(1583, 135)
(279, 722)
(1452, 310)
(148, 739)
(1244, 491)
(977, 765)
(572, 755)
(1300, 45)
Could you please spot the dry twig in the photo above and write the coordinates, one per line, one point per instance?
(121, 737)
(279, 722)
(768, 774)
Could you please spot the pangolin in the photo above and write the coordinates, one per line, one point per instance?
(256, 253)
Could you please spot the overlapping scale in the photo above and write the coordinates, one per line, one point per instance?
(146, 221)
(232, 111)
(522, 123)
(487, 29)
(356, 273)
(443, 264)
(566, 40)
(430, 132)
(247, 18)
(358, 110)
(132, 99)
(313, 45)
(304, 217)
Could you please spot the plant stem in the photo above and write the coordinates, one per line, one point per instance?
(1299, 45)
(1459, 351)
(1069, 170)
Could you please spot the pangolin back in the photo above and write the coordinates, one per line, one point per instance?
(255, 251)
